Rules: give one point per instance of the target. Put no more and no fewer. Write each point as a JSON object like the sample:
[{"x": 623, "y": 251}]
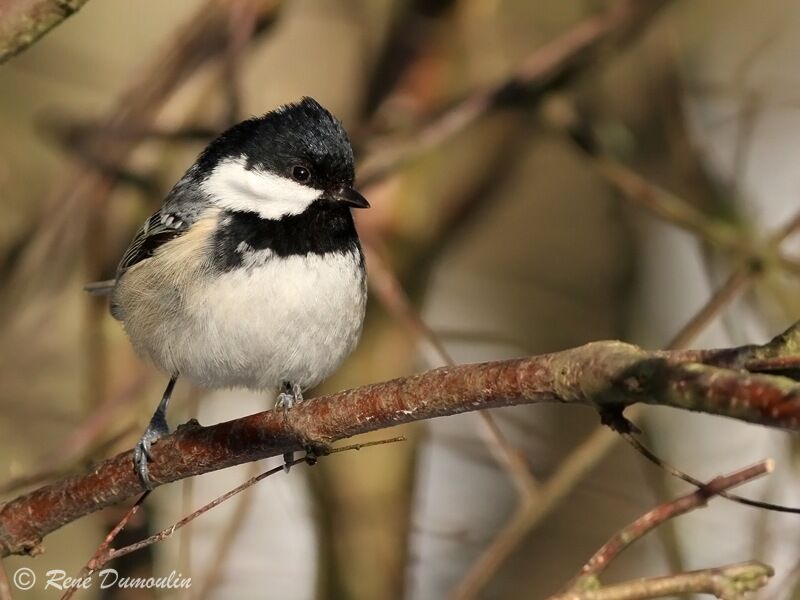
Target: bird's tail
[{"x": 100, "y": 288}]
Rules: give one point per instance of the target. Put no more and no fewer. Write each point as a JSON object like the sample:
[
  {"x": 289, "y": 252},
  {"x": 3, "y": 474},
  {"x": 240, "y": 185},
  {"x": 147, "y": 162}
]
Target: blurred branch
[
  {"x": 22, "y": 22},
  {"x": 61, "y": 221},
  {"x": 241, "y": 26},
  {"x": 532, "y": 509},
  {"x": 547, "y": 68},
  {"x": 602, "y": 559},
  {"x": 83, "y": 441},
  {"x": 562, "y": 114},
  {"x": 727, "y": 583},
  {"x": 606, "y": 375},
  {"x": 385, "y": 285},
  {"x": 736, "y": 283},
  {"x": 5, "y": 587},
  {"x": 225, "y": 544}
]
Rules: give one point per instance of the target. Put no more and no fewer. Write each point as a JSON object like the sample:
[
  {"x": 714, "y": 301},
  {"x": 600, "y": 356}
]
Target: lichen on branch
[{"x": 22, "y": 22}]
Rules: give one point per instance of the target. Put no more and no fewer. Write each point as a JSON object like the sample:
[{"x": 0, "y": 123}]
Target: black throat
[{"x": 324, "y": 227}]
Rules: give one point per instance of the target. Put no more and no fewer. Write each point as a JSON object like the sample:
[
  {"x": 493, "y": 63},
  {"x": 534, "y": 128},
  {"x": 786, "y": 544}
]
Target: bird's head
[{"x": 281, "y": 163}]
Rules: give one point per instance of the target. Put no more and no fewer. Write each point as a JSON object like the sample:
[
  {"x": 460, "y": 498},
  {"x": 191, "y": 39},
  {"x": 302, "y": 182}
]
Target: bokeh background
[{"x": 495, "y": 140}]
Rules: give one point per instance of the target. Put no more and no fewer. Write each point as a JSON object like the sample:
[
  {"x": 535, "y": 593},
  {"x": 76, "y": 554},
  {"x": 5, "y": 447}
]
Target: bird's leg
[
  {"x": 289, "y": 396},
  {"x": 157, "y": 428}
]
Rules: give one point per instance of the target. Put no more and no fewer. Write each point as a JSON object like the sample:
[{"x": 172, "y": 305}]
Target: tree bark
[{"x": 608, "y": 376}]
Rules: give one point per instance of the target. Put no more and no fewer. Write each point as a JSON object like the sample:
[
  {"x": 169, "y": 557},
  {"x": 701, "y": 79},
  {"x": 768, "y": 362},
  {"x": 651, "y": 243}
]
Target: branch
[
  {"x": 601, "y": 559},
  {"x": 547, "y": 68},
  {"x": 5, "y": 586},
  {"x": 606, "y": 375},
  {"x": 727, "y": 583},
  {"x": 24, "y": 21}
]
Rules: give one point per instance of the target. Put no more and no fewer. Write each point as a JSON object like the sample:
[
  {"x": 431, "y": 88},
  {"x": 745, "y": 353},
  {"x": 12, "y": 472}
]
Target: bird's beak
[{"x": 350, "y": 197}]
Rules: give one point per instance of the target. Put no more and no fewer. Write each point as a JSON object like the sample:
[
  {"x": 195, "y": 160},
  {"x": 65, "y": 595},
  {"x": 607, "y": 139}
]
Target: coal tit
[{"x": 251, "y": 274}]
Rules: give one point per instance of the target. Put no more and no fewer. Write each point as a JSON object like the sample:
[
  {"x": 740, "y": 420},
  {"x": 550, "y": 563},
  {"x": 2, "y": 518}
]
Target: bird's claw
[
  {"x": 142, "y": 452},
  {"x": 285, "y": 401},
  {"x": 289, "y": 396}
]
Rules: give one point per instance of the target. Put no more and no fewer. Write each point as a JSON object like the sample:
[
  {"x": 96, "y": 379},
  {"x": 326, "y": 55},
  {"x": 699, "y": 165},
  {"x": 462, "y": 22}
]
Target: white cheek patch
[{"x": 234, "y": 187}]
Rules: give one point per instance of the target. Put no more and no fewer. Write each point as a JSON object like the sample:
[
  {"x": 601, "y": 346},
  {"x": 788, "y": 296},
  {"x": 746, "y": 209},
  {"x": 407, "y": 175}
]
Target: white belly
[{"x": 289, "y": 319}]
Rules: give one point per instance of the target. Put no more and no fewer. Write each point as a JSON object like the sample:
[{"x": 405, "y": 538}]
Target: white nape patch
[{"x": 232, "y": 186}]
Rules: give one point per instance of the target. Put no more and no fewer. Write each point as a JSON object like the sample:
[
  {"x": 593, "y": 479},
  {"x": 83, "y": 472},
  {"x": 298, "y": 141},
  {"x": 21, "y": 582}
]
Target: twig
[
  {"x": 96, "y": 560},
  {"x": 675, "y": 472},
  {"x": 22, "y": 22},
  {"x": 727, "y": 583},
  {"x": 110, "y": 554},
  {"x": 606, "y": 375},
  {"x": 737, "y": 283},
  {"x": 601, "y": 559}
]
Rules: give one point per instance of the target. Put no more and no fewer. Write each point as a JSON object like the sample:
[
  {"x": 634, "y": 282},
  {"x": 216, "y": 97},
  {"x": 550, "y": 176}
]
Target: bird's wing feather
[{"x": 180, "y": 210}]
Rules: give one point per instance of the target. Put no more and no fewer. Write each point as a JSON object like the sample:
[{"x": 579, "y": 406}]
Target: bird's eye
[{"x": 300, "y": 173}]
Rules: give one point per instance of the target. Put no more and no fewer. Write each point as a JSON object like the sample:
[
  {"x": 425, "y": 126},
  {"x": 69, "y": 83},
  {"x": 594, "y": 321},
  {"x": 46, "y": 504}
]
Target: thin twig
[
  {"x": 675, "y": 472},
  {"x": 96, "y": 560},
  {"x": 108, "y": 555},
  {"x": 603, "y": 558}
]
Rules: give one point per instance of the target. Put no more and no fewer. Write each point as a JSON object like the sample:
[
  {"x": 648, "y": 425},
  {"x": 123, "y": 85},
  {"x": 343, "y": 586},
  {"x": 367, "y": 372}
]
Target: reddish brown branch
[{"x": 606, "y": 375}]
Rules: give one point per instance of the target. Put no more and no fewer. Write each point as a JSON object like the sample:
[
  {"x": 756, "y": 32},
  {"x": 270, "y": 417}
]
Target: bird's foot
[
  {"x": 289, "y": 396},
  {"x": 157, "y": 429}
]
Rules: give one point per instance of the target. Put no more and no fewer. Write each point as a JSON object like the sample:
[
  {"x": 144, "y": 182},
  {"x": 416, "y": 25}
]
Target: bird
[{"x": 251, "y": 274}]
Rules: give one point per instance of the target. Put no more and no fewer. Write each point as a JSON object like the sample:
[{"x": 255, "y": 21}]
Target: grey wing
[
  {"x": 160, "y": 228},
  {"x": 181, "y": 209}
]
